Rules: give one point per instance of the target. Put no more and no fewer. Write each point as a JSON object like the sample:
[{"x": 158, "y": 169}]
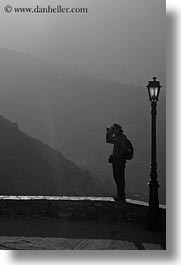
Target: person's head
[{"x": 117, "y": 129}]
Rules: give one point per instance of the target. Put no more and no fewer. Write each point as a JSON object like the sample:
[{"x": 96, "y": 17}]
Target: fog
[
  {"x": 119, "y": 40},
  {"x": 64, "y": 78}
]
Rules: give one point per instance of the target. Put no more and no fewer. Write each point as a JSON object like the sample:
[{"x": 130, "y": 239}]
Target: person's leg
[
  {"x": 118, "y": 173},
  {"x": 115, "y": 174},
  {"x": 121, "y": 180}
]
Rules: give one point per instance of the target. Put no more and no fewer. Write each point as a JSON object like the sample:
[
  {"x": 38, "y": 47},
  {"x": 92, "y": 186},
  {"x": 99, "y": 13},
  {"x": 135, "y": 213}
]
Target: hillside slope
[{"x": 29, "y": 167}]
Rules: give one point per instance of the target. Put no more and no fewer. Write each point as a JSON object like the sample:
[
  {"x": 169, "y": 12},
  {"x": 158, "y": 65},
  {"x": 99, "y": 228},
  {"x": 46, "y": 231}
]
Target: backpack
[{"x": 129, "y": 150}]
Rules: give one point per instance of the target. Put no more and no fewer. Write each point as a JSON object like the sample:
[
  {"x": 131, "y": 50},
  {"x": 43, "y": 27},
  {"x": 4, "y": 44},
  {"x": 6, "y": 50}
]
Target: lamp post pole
[
  {"x": 154, "y": 211},
  {"x": 153, "y": 184}
]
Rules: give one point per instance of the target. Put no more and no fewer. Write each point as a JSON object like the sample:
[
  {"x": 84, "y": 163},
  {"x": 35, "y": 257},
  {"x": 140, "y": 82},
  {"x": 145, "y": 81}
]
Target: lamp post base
[
  {"x": 154, "y": 211},
  {"x": 154, "y": 222}
]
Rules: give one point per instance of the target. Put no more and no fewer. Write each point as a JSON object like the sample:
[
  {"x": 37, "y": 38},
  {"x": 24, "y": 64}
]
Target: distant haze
[
  {"x": 119, "y": 40},
  {"x": 65, "y": 78},
  {"x": 69, "y": 109}
]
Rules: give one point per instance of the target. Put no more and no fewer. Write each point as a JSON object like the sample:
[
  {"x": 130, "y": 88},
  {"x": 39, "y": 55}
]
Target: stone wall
[{"x": 75, "y": 209}]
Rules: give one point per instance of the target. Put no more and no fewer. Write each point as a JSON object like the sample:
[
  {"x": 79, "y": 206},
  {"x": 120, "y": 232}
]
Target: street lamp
[{"x": 153, "y": 215}]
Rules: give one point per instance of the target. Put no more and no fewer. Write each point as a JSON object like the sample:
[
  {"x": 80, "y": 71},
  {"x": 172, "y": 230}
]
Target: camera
[
  {"x": 109, "y": 134},
  {"x": 109, "y": 130}
]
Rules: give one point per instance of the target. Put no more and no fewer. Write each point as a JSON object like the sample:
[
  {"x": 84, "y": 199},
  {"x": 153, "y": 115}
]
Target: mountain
[
  {"x": 69, "y": 109},
  {"x": 30, "y": 167}
]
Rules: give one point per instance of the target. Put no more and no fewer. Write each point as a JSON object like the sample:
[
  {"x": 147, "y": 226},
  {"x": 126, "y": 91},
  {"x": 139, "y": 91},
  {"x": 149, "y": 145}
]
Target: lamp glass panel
[{"x": 153, "y": 92}]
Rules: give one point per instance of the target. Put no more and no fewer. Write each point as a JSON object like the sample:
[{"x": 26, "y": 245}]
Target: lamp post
[{"x": 153, "y": 214}]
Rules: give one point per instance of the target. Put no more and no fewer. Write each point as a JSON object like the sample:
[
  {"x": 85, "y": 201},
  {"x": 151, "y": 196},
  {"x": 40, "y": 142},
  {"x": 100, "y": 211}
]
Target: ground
[{"x": 46, "y": 233}]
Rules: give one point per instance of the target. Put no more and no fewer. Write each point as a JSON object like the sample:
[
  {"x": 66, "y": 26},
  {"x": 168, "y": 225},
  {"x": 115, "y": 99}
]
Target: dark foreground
[
  {"x": 45, "y": 233},
  {"x": 32, "y": 222}
]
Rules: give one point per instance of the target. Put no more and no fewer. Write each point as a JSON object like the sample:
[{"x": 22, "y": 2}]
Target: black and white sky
[{"x": 120, "y": 39}]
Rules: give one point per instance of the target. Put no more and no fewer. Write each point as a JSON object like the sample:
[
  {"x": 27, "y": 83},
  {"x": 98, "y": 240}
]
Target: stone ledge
[
  {"x": 73, "y": 208},
  {"x": 71, "y": 198}
]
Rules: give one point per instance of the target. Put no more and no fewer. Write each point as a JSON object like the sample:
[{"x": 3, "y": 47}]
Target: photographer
[{"x": 115, "y": 136}]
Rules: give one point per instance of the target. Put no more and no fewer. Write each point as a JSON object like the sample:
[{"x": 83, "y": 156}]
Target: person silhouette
[{"x": 115, "y": 136}]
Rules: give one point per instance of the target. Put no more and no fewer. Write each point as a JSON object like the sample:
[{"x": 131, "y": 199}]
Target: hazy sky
[{"x": 119, "y": 39}]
